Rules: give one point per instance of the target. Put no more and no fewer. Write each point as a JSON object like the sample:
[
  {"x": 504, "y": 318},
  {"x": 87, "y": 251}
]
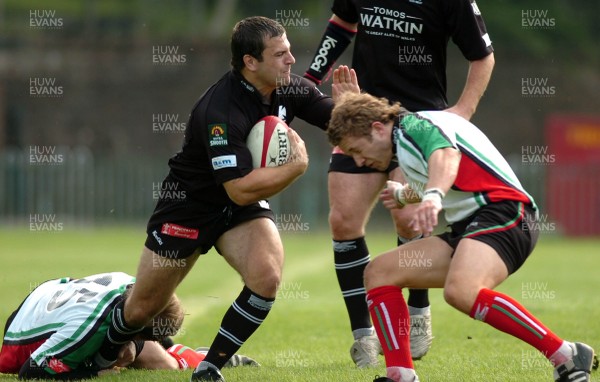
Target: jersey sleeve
[
  {"x": 314, "y": 108},
  {"x": 345, "y": 10},
  {"x": 225, "y": 130},
  {"x": 467, "y": 28},
  {"x": 427, "y": 136}
]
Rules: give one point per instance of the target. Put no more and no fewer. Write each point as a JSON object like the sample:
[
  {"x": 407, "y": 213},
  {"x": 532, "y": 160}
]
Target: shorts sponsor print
[{"x": 177, "y": 232}]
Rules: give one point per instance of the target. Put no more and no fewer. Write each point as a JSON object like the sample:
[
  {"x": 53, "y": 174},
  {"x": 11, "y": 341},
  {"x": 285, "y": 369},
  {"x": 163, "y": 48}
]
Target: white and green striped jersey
[
  {"x": 72, "y": 315},
  {"x": 483, "y": 177}
]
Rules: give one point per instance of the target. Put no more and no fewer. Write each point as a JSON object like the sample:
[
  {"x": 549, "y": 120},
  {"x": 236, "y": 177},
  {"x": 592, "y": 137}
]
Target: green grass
[{"x": 307, "y": 335}]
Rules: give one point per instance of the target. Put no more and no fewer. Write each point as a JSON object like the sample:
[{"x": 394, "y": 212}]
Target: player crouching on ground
[
  {"x": 61, "y": 324},
  {"x": 450, "y": 164}
]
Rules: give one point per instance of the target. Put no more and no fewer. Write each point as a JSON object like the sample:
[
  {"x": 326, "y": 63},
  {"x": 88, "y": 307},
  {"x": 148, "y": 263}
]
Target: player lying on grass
[
  {"x": 450, "y": 164},
  {"x": 61, "y": 324}
]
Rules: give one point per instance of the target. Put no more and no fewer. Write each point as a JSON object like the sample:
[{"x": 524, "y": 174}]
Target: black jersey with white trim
[
  {"x": 400, "y": 47},
  {"x": 214, "y": 149}
]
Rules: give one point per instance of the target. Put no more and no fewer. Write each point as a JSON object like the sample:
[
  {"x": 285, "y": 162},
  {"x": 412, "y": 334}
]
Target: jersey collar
[
  {"x": 396, "y": 132},
  {"x": 244, "y": 84},
  {"x": 249, "y": 88}
]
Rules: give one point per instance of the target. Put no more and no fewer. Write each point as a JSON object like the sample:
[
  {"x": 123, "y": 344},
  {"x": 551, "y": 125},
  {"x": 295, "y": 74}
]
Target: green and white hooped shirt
[
  {"x": 483, "y": 177},
  {"x": 72, "y": 315}
]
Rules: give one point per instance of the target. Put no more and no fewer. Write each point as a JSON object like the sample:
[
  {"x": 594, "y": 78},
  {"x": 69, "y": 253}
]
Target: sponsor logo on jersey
[
  {"x": 179, "y": 231},
  {"x": 217, "y": 134},
  {"x": 224, "y": 161},
  {"x": 379, "y": 21}
]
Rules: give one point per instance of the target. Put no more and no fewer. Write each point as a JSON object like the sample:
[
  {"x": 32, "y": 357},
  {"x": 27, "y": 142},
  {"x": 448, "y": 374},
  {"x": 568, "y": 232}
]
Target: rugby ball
[{"x": 269, "y": 143}]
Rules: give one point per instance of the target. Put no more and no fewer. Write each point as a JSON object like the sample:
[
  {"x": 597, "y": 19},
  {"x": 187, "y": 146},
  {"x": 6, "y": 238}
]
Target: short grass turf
[{"x": 307, "y": 336}]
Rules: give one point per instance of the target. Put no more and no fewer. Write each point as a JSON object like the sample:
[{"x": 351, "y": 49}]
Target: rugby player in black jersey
[
  {"x": 225, "y": 198},
  {"x": 399, "y": 53}
]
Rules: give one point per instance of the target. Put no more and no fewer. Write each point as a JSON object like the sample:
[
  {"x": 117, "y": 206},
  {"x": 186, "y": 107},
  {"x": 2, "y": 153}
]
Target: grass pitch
[{"x": 307, "y": 336}]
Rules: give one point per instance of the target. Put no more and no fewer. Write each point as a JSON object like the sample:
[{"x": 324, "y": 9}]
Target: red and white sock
[
  {"x": 390, "y": 317},
  {"x": 186, "y": 357},
  {"x": 507, "y": 315}
]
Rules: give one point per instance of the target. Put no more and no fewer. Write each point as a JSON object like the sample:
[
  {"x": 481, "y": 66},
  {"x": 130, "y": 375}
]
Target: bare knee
[
  {"x": 459, "y": 296},
  {"x": 377, "y": 273},
  {"x": 265, "y": 282},
  {"x": 345, "y": 226},
  {"x": 370, "y": 276}
]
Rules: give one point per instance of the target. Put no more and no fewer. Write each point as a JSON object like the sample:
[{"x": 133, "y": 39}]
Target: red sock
[
  {"x": 186, "y": 357},
  {"x": 507, "y": 315},
  {"x": 392, "y": 324}
]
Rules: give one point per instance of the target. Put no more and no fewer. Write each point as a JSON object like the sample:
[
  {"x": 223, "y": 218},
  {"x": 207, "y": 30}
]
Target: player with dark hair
[
  {"x": 60, "y": 325},
  {"x": 399, "y": 53},
  {"x": 451, "y": 165},
  {"x": 225, "y": 205}
]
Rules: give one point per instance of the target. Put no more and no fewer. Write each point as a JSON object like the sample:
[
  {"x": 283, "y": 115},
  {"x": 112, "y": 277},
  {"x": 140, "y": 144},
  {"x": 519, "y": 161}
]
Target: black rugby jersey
[
  {"x": 400, "y": 47},
  {"x": 214, "y": 149}
]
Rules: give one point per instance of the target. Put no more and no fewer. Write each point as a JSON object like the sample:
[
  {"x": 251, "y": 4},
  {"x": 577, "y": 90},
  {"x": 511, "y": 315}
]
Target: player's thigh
[
  {"x": 475, "y": 265},
  {"x": 156, "y": 280},
  {"x": 418, "y": 264},
  {"x": 254, "y": 249},
  {"x": 352, "y": 196}
]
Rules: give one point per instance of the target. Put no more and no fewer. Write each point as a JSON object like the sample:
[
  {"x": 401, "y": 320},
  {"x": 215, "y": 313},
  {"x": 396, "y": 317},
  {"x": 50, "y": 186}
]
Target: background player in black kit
[
  {"x": 225, "y": 204},
  {"x": 400, "y": 54}
]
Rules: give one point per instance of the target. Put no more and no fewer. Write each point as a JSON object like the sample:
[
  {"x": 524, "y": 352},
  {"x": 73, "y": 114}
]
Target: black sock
[
  {"x": 241, "y": 320},
  {"x": 118, "y": 334},
  {"x": 351, "y": 257},
  {"x": 417, "y": 298}
]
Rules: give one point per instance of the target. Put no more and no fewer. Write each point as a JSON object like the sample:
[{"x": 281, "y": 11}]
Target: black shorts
[
  {"x": 179, "y": 229},
  {"x": 509, "y": 227},
  {"x": 343, "y": 163}
]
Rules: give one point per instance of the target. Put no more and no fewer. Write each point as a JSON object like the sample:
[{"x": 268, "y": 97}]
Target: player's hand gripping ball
[{"x": 269, "y": 143}]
